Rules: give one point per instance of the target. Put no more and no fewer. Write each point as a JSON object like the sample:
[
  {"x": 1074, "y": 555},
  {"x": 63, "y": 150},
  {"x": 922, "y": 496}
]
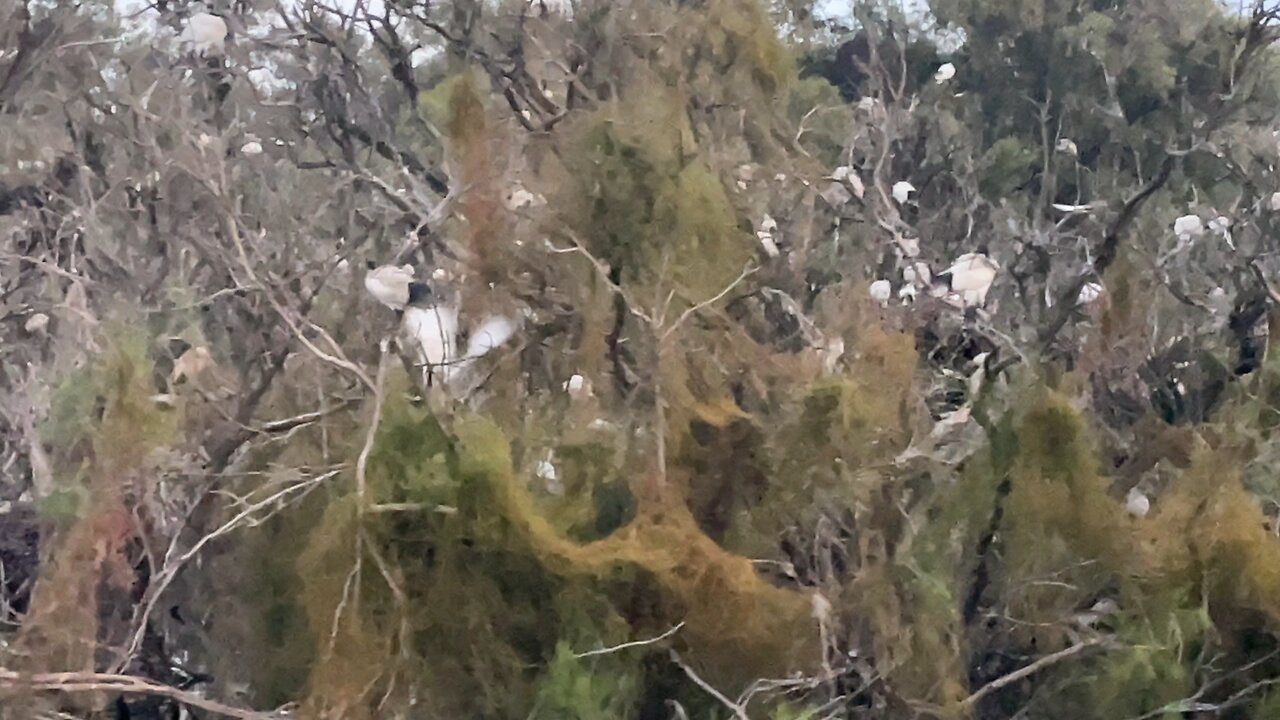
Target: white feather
[
  {"x": 389, "y": 285},
  {"x": 902, "y": 191},
  {"x": 433, "y": 332},
  {"x": 492, "y": 333},
  {"x": 205, "y": 32},
  {"x": 1137, "y": 503},
  {"x": 971, "y": 276},
  {"x": 881, "y": 291},
  {"x": 1088, "y": 293},
  {"x": 1187, "y": 227}
]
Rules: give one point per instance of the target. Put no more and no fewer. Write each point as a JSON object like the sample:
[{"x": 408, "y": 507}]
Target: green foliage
[
  {"x": 642, "y": 201},
  {"x": 816, "y": 105},
  {"x": 792, "y": 511},
  {"x": 63, "y": 505},
  {"x": 409, "y": 462},
  {"x": 1008, "y": 164},
  {"x": 436, "y": 103},
  {"x": 71, "y": 411},
  {"x": 741, "y": 39},
  {"x": 582, "y": 689}
]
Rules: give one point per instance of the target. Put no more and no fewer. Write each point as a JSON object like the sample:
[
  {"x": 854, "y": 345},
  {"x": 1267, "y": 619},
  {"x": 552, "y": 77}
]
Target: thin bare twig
[
  {"x": 362, "y": 462},
  {"x": 171, "y": 567},
  {"x": 706, "y": 303},
  {"x": 633, "y": 643},
  {"x": 738, "y": 711},
  {"x": 1021, "y": 673},
  {"x": 83, "y": 682}
]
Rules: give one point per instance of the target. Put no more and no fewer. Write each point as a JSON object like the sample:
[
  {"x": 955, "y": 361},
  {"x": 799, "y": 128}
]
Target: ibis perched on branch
[
  {"x": 206, "y": 33},
  {"x": 392, "y": 285},
  {"x": 970, "y": 277},
  {"x": 429, "y": 324}
]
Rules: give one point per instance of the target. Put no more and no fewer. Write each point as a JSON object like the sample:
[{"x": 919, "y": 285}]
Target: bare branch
[
  {"x": 632, "y": 644},
  {"x": 738, "y": 711},
  {"x": 88, "y": 682}
]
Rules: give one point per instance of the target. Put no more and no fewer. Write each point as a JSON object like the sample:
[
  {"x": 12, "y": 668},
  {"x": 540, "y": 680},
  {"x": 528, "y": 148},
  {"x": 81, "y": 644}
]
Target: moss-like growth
[
  {"x": 109, "y": 425},
  {"x": 494, "y": 588},
  {"x": 1059, "y": 516},
  {"x": 642, "y": 202}
]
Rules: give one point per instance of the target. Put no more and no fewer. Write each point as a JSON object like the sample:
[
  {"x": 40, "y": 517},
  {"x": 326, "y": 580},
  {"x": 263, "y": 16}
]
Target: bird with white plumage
[
  {"x": 902, "y": 191},
  {"x": 1089, "y": 293},
  {"x": 206, "y": 33},
  {"x": 1137, "y": 504},
  {"x": 389, "y": 284},
  {"x": 970, "y": 278},
  {"x": 431, "y": 330},
  {"x": 881, "y": 291},
  {"x": 1188, "y": 227}
]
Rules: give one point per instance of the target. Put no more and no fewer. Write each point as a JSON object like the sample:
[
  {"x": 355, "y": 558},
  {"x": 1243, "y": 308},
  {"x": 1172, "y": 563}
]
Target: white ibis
[
  {"x": 1274, "y": 203},
  {"x": 494, "y": 332},
  {"x": 1089, "y": 293},
  {"x": 881, "y": 291},
  {"x": 945, "y": 72},
  {"x": 1137, "y": 504},
  {"x": 519, "y": 198},
  {"x": 916, "y": 272},
  {"x": 1221, "y": 226},
  {"x": 768, "y": 226},
  {"x": 37, "y": 324},
  {"x": 577, "y": 386},
  {"x": 1187, "y": 227},
  {"x": 902, "y": 191},
  {"x": 971, "y": 276},
  {"x": 206, "y": 33},
  {"x": 1068, "y": 146},
  {"x": 390, "y": 284},
  {"x": 430, "y": 328}
]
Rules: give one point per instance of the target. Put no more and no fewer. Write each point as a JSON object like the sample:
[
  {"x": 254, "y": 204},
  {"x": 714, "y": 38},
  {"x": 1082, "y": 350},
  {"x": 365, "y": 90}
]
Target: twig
[
  {"x": 362, "y": 462},
  {"x": 233, "y": 231},
  {"x": 411, "y": 507},
  {"x": 1108, "y": 249},
  {"x": 77, "y": 682},
  {"x": 1021, "y": 673},
  {"x": 634, "y": 643},
  {"x": 170, "y": 569},
  {"x": 705, "y": 303},
  {"x": 603, "y": 271},
  {"x": 285, "y": 424},
  {"x": 738, "y": 711}
]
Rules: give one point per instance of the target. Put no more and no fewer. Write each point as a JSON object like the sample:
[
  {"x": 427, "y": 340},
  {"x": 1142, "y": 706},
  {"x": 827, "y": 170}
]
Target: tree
[{"x": 710, "y": 475}]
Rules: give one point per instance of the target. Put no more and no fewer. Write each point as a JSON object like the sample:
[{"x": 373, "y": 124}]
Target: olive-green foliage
[
  {"x": 492, "y": 591},
  {"x": 435, "y": 102},
  {"x": 586, "y": 688},
  {"x": 741, "y": 39},
  {"x": 101, "y": 417},
  {"x": 642, "y": 201},
  {"x": 1007, "y": 165},
  {"x": 827, "y": 127},
  {"x": 85, "y": 556},
  {"x": 284, "y": 646}
]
